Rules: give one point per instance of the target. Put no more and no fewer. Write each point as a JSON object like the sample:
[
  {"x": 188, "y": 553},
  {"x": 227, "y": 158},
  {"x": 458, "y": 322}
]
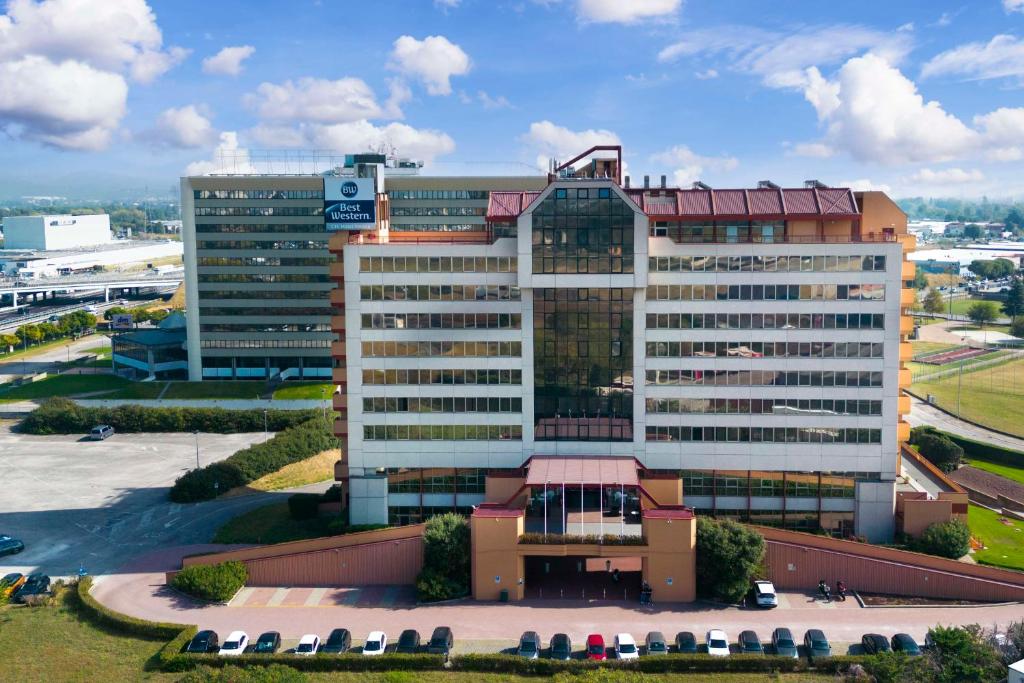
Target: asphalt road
[
  {"x": 99, "y": 504},
  {"x": 922, "y": 413},
  {"x": 50, "y": 359}
]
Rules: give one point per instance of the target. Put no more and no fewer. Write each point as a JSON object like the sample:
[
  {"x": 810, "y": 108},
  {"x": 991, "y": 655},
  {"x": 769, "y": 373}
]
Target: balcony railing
[{"x": 581, "y": 539}]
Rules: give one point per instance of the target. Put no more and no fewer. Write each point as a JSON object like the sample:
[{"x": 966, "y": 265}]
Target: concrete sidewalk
[{"x": 923, "y": 414}]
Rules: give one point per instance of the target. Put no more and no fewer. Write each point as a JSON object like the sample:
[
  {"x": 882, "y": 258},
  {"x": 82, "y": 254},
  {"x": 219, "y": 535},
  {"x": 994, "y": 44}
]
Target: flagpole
[
  {"x": 600, "y": 495},
  {"x": 562, "y": 525},
  {"x": 622, "y": 509},
  {"x": 545, "y": 509},
  {"x": 581, "y": 506}
]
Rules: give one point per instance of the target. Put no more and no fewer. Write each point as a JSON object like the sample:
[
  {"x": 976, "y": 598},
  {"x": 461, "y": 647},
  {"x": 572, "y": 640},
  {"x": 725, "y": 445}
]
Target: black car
[
  {"x": 750, "y": 644},
  {"x": 204, "y": 641},
  {"x": 339, "y": 641},
  {"x": 529, "y": 645},
  {"x": 873, "y": 643},
  {"x": 268, "y": 643},
  {"x": 408, "y": 642},
  {"x": 656, "y": 644},
  {"x": 686, "y": 643},
  {"x": 783, "y": 643},
  {"x": 10, "y": 546},
  {"x": 816, "y": 644},
  {"x": 561, "y": 646},
  {"x": 902, "y": 642},
  {"x": 441, "y": 641},
  {"x": 35, "y": 584}
]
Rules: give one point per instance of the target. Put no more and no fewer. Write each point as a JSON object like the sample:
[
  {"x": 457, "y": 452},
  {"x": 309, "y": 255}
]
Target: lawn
[
  {"x": 270, "y": 524},
  {"x": 138, "y": 391},
  {"x": 63, "y": 385},
  {"x": 305, "y": 391},
  {"x": 921, "y": 348},
  {"x": 215, "y": 389},
  {"x": 310, "y": 471},
  {"x": 963, "y": 304},
  {"x": 1008, "y": 471},
  {"x": 1004, "y": 542},
  {"x": 992, "y": 396}
]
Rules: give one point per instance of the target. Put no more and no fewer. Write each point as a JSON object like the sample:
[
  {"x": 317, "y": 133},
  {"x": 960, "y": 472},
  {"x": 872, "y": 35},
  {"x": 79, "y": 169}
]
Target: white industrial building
[
  {"x": 49, "y": 233},
  {"x": 116, "y": 255}
]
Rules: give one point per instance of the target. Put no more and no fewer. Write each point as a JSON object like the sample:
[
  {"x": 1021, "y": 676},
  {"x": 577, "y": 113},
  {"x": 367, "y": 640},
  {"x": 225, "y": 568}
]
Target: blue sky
[{"x": 106, "y": 97}]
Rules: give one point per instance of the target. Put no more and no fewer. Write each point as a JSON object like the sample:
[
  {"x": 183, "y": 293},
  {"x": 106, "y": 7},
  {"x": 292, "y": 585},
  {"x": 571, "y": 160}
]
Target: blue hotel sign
[{"x": 350, "y": 203}]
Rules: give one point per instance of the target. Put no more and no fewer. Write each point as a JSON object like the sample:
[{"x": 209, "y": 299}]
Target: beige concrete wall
[
  {"x": 918, "y": 515},
  {"x": 496, "y": 565},
  {"x": 841, "y": 229},
  {"x": 670, "y": 561},
  {"x": 667, "y": 491},
  {"x": 801, "y": 228},
  {"x": 500, "y": 489},
  {"x": 880, "y": 212}
]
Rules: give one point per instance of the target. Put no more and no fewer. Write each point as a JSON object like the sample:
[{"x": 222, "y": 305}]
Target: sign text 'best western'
[{"x": 350, "y": 203}]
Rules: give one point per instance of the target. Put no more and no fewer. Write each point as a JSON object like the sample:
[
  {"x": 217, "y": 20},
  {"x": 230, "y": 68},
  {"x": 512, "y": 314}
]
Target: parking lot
[{"x": 99, "y": 503}]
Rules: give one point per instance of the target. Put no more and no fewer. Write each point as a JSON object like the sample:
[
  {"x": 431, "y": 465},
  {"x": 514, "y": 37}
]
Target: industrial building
[{"x": 52, "y": 233}]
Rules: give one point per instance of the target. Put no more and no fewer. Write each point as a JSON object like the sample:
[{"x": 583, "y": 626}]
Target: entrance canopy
[{"x": 587, "y": 471}]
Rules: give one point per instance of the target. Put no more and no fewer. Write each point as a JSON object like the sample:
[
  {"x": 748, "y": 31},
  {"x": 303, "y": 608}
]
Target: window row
[
  {"x": 249, "y": 310},
  {"x": 246, "y": 228},
  {"x": 436, "y": 480},
  {"x": 766, "y": 264},
  {"x": 438, "y": 194},
  {"x": 722, "y": 232},
  {"x": 265, "y": 343},
  {"x": 764, "y": 378},
  {"x": 482, "y": 349},
  {"x": 438, "y": 210},
  {"x": 259, "y": 211},
  {"x": 451, "y": 377},
  {"x": 447, "y": 404},
  {"x": 766, "y": 293},
  {"x": 441, "y": 321},
  {"x": 765, "y": 321},
  {"x": 443, "y": 432},
  {"x": 258, "y": 194},
  {"x": 319, "y": 294},
  {"x": 401, "y": 515},
  {"x": 765, "y": 434},
  {"x": 264, "y": 261},
  {"x": 582, "y": 264},
  {"x": 437, "y": 264},
  {"x": 437, "y": 227},
  {"x": 265, "y": 327},
  {"x": 438, "y": 293},
  {"x": 763, "y": 406},
  {"x": 261, "y": 244},
  {"x": 771, "y": 484},
  {"x": 731, "y": 349},
  {"x": 264, "y": 277}
]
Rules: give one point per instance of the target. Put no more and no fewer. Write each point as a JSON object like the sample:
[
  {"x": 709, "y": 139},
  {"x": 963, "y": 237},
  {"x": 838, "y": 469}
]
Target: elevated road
[{"x": 104, "y": 282}]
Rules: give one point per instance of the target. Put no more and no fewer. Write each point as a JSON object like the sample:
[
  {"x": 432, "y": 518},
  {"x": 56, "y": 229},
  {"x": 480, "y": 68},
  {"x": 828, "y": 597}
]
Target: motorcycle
[
  {"x": 840, "y": 591},
  {"x": 826, "y": 593}
]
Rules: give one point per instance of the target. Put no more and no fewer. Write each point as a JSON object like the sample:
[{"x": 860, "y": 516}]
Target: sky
[{"x": 117, "y": 98}]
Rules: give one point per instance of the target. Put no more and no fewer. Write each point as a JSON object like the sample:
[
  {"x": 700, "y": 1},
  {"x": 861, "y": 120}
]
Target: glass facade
[
  {"x": 581, "y": 230},
  {"x": 583, "y": 364}
]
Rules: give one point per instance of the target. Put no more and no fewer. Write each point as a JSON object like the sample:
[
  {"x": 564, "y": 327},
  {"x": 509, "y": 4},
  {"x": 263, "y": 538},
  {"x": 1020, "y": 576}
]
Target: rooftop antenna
[
  {"x": 698, "y": 185},
  {"x": 815, "y": 185},
  {"x": 767, "y": 185}
]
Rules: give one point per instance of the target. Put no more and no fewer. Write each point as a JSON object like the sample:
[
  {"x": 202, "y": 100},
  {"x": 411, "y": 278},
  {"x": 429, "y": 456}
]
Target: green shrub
[
  {"x": 672, "y": 663},
  {"x": 950, "y": 539},
  {"x": 207, "y": 483},
  {"x": 320, "y": 663},
  {"x": 940, "y": 451},
  {"x": 332, "y": 494},
  {"x": 122, "y": 623},
  {"x": 275, "y": 673},
  {"x": 64, "y": 416},
  {"x": 215, "y": 582},
  {"x": 446, "y": 557},
  {"x": 303, "y": 505},
  {"x": 728, "y": 556},
  {"x": 964, "y": 654}
]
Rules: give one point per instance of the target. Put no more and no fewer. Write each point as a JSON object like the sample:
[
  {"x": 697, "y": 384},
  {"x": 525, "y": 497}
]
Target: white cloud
[
  {"x": 690, "y": 166},
  {"x": 550, "y": 140},
  {"x": 152, "y": 64},
  {"x": 433, "y": 60},
  {"x": 228, "y": 157},
  {"x": 947, "y": 176},
  {"x": 707, "y": 74},
  {"x": 998, "y": 58},
  {"x": 621, "y": 12},
  {"x": 316, "y": 99},
  {"x": 865, "y": 184},
  {"x": 499, "y": 102},
  {"x": 1013, "y": 5},
  {"x": 228, "y": 62},
  {"x": 814, "y": 150},
  {"x": 447, "y": 4},
  {"x": 909, "y": 26},
  {"x": 417, "y": 143},
  {"x": 184, "y": 127}
]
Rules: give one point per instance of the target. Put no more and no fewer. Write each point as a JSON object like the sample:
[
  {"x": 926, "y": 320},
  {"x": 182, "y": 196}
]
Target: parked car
[
  {"x": 783, "y": 644},
  {"x": 35, "y": 584},
  {"x": 268, "y": 643},
  {"x": 717, "y": 643},
  {"x": 441, "y": 641},
  {"x": 816, "y": 644},
  {"x": 234, "y": 644},
  {"x": 338, "y": 641},
  {"x": 902, "y": 642},
  {"x": 595, "y": 647},
  {"x": 655, "y": 643},
  {"x": 408, "y": 642},
  {"x": 11, "y": 583},
  {"x": 750, "y": 644},
  {"x": 686, "y": 643},
  {"x": 376, "y": 643},
  {"x": 529, "y": 645},
  {"x": 308, "y": 645},
  {"x": 874, "y": 643},
  {"x": 764, "y": 595},
  {"x": 204, "y": 641},
  {"x": 625, "y": 647},
  {"x": 10, "y": 545},
  {"x": 561, "y": 646},
  {"x": 101, "y": 432}
]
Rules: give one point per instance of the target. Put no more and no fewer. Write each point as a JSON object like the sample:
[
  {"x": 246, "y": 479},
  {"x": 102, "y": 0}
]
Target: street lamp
[
  {"x": 196, "y": 434},
  {"x": 265, "y": 433}
]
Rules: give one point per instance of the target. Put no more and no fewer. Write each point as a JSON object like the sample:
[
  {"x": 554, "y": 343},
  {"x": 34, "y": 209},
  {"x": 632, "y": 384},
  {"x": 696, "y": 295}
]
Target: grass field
[
  {"x": 270, "y": 524},
  {"x": 1008, "y": 471},
  {"x": 992, "y": 396},
  {"x": 305, "y": 391},
  {"x": 1004, "y": 543},
  {"x": 310, "y": 471},
  {"x": 63, "y": 385},
  {"x": 215, "y": 389}
]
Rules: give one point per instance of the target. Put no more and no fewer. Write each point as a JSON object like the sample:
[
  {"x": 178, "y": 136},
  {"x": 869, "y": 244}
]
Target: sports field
[{"x": 992, "y": 396}]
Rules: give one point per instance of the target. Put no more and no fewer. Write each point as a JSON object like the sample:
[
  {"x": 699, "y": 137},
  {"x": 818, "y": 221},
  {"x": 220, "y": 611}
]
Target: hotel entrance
[{"x": 583, "y": 578}]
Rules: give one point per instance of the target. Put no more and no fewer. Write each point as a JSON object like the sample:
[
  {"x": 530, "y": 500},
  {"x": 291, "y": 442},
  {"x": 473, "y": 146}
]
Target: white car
[
  {"x": 234, "y": 644},
  {"x": 308, "y": 645},
  {"x": 718, "y": 643},
  {"x": 764, "y": 594},
  {"x": 625, "y": 647},
  {"x": 375, "y": 644}
]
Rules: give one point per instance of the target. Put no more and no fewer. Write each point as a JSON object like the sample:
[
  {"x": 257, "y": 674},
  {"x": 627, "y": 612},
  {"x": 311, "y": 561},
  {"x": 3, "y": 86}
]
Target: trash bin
[{"x": 503, "y": 596}]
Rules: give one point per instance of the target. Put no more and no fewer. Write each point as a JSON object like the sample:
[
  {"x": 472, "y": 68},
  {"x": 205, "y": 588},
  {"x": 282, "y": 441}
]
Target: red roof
[
  {"x": 506, "y": 206},
  {"x": 587, "y": 470},
  {"x": 669, "y": 512}
]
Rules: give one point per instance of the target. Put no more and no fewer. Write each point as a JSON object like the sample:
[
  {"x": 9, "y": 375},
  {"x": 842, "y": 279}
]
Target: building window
[
  {"x": 582, "y": 234},
  {"x": 818, "y": 435}
]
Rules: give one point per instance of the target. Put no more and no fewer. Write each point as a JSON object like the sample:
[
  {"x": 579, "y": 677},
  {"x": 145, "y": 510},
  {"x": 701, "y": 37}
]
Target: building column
[
  {"x": 368, "y": 499},
  {"x": 875, "y": 510}
]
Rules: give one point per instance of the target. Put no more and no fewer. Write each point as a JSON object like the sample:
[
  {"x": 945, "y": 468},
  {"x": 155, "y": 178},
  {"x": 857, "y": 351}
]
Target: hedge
[
  {"x": 215, "y": 582},
  {"x": 672, "y": 663},
  {"x": 122, "y": 623},
  {"x": 536, "y": 538},
  {"x": 985, "y": 451},
  {"x": 304, "y": 505},
  {"x": 295, "y": 443},
  {"x": 64, "y": 416},
  {"x": 317, "y": 663}
]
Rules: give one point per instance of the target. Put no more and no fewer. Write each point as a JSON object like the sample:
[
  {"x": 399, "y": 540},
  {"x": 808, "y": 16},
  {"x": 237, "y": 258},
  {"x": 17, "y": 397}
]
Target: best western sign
[{"x": 350, "y": 203}]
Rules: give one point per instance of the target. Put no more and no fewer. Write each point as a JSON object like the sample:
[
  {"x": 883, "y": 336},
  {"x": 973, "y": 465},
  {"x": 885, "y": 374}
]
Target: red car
[{"x": 595, "y": 647}]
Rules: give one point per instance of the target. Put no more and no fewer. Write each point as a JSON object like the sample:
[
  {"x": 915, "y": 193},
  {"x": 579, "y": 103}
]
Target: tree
[
  {"x": 933, "y": 302},
  {"x": 728, "y": 556},
  {"x": 49, "y": 331},
  {"x": 29, "y": 334},
  {"x": 920, "y": 279},
  {"x": 972, "y": 231},
  {"x": 982, "y": 313},
  {"x": 112, "y": 311},
  {"x": 446, "y": 556},
  {"x": 1017, "y": 327},
  {"x": 1014, "y": 304},
  {"x": 963, "y": 654},
  {"x": 1014, "y": 219},
  {"x": 1002, "y": 267},
  {"x": 939, "y": 449},
  {"x": 9, "y": 341},
  {"x": 950, "y": 539}
]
